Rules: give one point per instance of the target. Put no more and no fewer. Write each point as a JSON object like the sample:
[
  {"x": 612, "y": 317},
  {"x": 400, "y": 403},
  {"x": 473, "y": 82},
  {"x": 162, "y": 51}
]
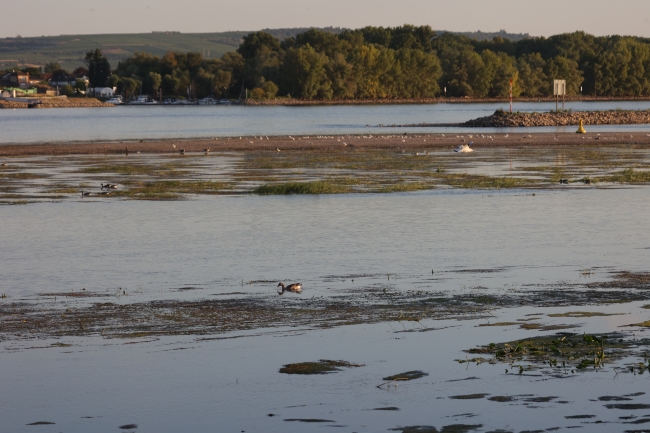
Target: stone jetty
[{"x": 501, "y": 119}]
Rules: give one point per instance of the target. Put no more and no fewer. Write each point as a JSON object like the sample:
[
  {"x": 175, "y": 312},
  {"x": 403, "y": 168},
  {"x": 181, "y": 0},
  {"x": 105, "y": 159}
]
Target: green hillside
[{"x": 69, "y": 50}]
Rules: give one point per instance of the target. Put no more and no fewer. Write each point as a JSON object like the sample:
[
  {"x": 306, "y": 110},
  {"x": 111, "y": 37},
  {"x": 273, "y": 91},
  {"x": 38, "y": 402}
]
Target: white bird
[{"x": 464, "y": 148}]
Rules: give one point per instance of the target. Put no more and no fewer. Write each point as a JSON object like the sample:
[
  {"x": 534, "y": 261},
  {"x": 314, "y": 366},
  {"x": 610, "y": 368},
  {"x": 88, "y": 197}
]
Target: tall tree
[{"x": 98, "y": 68}]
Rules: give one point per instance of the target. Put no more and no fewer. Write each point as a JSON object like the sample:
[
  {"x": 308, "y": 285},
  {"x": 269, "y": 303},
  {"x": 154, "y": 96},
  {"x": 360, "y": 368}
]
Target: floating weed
[
  {"x": 469, "y": 396},
  {"x": 542, "y": 327},
  {"x": 134, "y": 169},
  {"x": 562, "y": 350},
  {"x": 405, "y": 187},
  {"x": 170, "y": 189},
  {"x": 315, "y": 187},
  {"x": 323, "y": 366},
  {"x": 628, "y": 176},
  {"x": 23, "y": 176},
  {"x": 500, "y": 324},
  {"x": 581, "y": 314},
  {"x": 409, "y": 375}
]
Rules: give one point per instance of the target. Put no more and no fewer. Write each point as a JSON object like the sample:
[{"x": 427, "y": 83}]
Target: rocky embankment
[
  {"x": 567, "y": 118},
  {"x": 57, "y": 103}
]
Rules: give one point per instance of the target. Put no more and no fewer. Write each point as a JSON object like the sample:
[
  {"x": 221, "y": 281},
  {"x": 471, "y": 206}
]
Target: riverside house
[{"x": 15, "y": 79}]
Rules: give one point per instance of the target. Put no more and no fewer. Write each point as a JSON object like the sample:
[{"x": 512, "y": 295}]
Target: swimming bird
[
  {"x": 85, "y": 194},
  {"x": 182, "y": 151},
  {"x": 293, "y": 288},
  {"x": 464, "y": 148}
]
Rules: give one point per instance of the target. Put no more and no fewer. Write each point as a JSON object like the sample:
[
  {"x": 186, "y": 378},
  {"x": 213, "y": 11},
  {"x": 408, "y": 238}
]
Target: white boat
[
  {"x": 175, "y": 101},
  {"x": 117, "y": 100},
  {"x": 207, "y": 101},
  {"x": 144, "y": 100},
  {"x": 225, "y": 102}
]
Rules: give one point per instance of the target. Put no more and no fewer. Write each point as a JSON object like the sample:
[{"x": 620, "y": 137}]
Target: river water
[
  {"x": 178, "y": 122},
  {"x": 219, "y": 243}
]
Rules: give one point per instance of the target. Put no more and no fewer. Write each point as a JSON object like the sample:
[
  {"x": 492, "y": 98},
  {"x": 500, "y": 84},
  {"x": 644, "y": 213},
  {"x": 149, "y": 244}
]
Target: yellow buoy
[{"x": 581, "y": 130}]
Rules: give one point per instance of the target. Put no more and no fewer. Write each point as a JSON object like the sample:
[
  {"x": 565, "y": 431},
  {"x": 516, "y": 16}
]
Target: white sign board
[{"x": 559, "y": 87}]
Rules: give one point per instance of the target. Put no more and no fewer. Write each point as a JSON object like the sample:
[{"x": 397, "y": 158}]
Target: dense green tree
[
  {"x": 561, "y": 68},
  {"x": 98, "y": 68},
  {"x": 532, "y": 79},
  {"x": 390, "y": 62},
  {"x": 51, "y": 67}
]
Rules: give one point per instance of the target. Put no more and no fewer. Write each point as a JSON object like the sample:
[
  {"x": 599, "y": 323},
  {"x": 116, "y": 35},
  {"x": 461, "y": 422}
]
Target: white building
[{"x": 101, "y": 92}]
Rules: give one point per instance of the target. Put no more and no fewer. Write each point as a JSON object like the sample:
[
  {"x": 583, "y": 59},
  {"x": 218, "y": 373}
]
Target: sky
[{"x": 539, "y": 18}]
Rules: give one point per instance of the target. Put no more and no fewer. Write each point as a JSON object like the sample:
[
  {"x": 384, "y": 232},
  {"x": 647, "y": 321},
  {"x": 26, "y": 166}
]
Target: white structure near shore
[{"x": 101, "y": 92}]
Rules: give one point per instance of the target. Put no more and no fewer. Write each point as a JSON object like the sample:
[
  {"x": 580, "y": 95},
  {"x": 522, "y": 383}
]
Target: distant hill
[{"x": 69, "y": 50}]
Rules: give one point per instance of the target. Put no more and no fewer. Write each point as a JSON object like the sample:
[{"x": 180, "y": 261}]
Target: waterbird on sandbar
[
  {"x": 108, "y": 185},
  {"x": 293, "y": 288},
  {"x": 464, "y": 148}
]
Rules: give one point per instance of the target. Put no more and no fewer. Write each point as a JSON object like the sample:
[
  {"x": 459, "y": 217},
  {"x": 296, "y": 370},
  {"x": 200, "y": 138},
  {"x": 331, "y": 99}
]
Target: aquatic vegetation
[
  {"x": 408, "y": 375},
  {"x": 315, "y": 187},
  {"x": 21, "y": 176},
  {"x": 170, "y": 189},
  {"x": 562, "y": 351},
  {"x": 130, "y": 169},
  {"x": 580, "y": 314},
  {"x": 468, "y": 396},
  {"x": 628, "y": 175},
  {"x": 405, "y": 187},
  {"x": 500, "y": 324},
  {"x": 323, "y": 366}
]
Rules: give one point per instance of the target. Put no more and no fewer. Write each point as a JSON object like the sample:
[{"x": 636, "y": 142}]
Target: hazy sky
[{"x": 540, "y": 17}]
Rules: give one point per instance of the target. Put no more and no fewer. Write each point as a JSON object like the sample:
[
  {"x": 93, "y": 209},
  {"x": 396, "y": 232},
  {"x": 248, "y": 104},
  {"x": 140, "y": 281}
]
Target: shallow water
[
  {"x": 138, "y": 122},
  {"x": 49, "y": 247},
  {"x": 218, "y": 244}
]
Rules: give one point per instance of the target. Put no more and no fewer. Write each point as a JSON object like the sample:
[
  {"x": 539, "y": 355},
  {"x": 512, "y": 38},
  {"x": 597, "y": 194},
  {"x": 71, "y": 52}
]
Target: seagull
[
  {"x": 294, "y": 288},
  {"x": 464, "y": 148}
]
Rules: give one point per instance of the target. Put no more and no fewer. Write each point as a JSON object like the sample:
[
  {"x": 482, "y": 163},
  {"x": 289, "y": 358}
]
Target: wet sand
[{"x": 398, "y": 140}]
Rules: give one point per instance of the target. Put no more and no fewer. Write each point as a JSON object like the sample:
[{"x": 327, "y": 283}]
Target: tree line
[{"x": 390, "y": 62}]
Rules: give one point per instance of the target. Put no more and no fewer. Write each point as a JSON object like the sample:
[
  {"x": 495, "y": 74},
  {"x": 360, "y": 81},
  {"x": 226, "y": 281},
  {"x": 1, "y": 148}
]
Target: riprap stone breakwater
[{"x": 566, "y": 118}]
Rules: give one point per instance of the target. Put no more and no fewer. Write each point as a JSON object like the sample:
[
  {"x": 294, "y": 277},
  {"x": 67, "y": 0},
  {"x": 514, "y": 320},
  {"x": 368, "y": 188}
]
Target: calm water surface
[
  {"x": 188, "y": 384},
  {"x": 129, "y": 123}
]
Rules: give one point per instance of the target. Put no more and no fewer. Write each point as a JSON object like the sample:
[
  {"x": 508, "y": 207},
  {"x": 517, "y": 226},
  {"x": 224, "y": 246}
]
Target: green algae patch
[
  {"x": 541, "y": 327},
  {"x": 408, "y": 375},
  {"x": 500, "y": 324},
  {"x": 502, "y": 398},
  {"x": 563, "y": 351},
  {"x": 315, "y": 187},
  {"x": 644, "y": 324},
  {"x": 581, "y": 314},
  {"x": 323, "y": 366},
  {"x": 469, "y": 396},
  {"x": 628, "y": 176},
  {"x": 406, "y": 187}
]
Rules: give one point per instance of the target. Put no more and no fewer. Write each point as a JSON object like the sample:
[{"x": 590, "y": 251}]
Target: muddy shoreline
[
  {"x": 401, "y": 140},
  {"x": 105, "y": 314}
]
